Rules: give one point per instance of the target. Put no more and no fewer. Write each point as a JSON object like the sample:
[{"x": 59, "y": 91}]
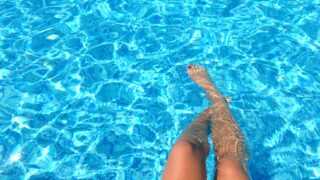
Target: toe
[
  {"x": 194, "y": 68},
  {"x": 197, "y": 68},
  {"x": 190, "y": 69}
]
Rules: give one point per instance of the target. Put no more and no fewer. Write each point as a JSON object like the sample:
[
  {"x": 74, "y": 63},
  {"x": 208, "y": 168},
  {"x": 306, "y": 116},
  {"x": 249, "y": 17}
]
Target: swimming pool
[{"x": 98, "y": 89}]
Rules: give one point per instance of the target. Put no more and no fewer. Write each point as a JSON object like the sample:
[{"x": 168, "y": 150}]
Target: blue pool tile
[
  {"x": 108, "y": 175},
  {"x": 109, "y": 92},
  {"x": 92, "y": 161},
  {"x": 102, "y": 52},
  {"x": 13, "y": 171},
  {"x": 11, "y": 139},
  {"x": 123, "y": 50},
  {"x": 47, "y": 136},
  {"x": 45, "y": 175},
  {"x": 75, "y": 44},
  {"x": 65, "y": 169},
  {"x": 42, "y": 41},
  {"x": 61, "y": 151},
  {"x": 311, "y": 28},
  {"x": 65, "y": 121},
  {"x": 144, "y": 133}
]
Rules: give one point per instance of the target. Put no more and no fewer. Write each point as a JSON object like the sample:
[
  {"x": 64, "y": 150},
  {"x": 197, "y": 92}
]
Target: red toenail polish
[{"x": 189, "y": 67}]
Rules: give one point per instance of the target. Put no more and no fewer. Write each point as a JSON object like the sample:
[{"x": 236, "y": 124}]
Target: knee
[
  {"x": 184, "y": 148},
  {"x": 229, "y": 169}
]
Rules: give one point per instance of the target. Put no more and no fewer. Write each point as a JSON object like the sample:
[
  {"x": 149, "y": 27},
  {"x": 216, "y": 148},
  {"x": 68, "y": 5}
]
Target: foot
[{"x": 200, "y": 76}]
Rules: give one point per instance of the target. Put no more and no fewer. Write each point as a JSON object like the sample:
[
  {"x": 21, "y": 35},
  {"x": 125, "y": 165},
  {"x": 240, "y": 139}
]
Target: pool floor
[{"x": 99, "y": 89}]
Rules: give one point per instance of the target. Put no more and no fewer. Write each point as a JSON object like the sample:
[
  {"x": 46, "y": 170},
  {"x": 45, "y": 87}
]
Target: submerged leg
[
  {"x": 187, "y": 157},
  {"x": 229, "y": 142}
]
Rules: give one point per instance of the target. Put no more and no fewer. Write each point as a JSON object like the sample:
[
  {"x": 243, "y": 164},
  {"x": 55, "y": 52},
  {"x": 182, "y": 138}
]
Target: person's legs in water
[
  {"x": 188, "y": 155},
  {"x": 228, "y": 140}
]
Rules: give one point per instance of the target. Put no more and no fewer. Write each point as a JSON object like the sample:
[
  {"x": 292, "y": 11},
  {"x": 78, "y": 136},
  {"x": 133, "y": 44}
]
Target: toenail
[{"x": 189, "y": 67}]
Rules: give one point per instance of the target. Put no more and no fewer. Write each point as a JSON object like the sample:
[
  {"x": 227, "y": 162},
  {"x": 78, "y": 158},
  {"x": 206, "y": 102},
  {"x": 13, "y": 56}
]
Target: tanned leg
[
  {"x": 188, "y": 156},
  {"x": 229, "y": 142}
]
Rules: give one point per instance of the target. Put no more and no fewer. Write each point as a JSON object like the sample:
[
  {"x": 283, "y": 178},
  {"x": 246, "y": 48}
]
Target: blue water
[{"x": 98, "y": 89}]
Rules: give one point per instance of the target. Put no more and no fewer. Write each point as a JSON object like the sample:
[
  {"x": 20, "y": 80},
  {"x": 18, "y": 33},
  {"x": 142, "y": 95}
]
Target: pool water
[{"x": 98, "y": 89}]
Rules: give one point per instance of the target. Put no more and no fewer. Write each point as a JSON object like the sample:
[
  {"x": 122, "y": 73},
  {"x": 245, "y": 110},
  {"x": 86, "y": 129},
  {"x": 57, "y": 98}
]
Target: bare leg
[
  {"x": 228, "y": 140},
  {"x": 188, "y": 155}
]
